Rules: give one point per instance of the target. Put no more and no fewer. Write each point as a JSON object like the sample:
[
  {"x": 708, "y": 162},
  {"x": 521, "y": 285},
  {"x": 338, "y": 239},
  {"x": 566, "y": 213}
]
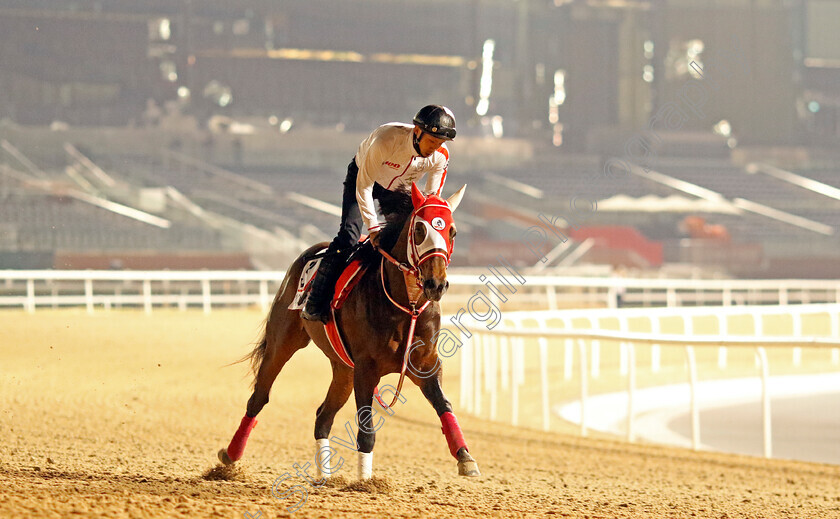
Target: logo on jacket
[{"x": 392, "y": 164}]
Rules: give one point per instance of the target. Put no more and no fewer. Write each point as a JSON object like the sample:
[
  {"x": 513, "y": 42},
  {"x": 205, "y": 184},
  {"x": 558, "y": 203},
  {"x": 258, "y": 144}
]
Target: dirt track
[{"x": 119, "y": 414}]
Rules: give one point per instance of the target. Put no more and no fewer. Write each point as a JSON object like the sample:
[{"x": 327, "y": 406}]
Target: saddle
[{"x": 349, "y": 278}]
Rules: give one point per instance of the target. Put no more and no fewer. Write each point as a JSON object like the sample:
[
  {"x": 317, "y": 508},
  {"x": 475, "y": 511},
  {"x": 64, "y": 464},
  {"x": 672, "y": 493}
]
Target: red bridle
[{"x": 436, "y": 215}]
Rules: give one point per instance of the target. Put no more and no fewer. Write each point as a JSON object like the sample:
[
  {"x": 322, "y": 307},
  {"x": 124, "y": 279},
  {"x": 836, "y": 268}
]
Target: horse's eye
[
  {"x": 419, "y": 233},
  {"x": 452, "y": 233}
]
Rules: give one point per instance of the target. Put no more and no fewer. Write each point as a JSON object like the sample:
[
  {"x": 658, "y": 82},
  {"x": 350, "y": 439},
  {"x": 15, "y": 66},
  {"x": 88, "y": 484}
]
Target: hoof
[
  {"x": 466, "y": 464},
  {"x": 468, "y": 468},
  {"x": 224, "y": 458}
]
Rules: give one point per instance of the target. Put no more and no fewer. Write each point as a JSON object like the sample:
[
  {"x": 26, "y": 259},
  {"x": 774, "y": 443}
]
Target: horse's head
[{"x": 431, "y": 239}]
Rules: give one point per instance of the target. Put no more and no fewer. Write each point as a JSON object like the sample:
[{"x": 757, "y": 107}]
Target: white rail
[
  {"x": 31, "y": 289},
  {"x": 106, "y": 288},
  {"x": 481, "y": 358}
]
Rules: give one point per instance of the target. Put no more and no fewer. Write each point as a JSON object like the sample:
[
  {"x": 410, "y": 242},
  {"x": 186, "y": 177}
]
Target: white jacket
[{"x": 388, "y": 158}]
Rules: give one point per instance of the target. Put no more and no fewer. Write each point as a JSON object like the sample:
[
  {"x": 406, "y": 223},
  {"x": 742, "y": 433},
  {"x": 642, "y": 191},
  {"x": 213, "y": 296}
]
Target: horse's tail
[{"x": 256, "y": 357}]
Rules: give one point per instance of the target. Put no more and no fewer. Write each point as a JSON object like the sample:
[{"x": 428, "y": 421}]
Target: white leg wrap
[
  {"x": 365, "y": 465},
  {"x": 322, "y": 452}
]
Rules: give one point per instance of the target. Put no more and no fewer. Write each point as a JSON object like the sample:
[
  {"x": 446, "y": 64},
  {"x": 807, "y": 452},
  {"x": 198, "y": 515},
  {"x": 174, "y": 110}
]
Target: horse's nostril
[{"x": 446, "y": 285}]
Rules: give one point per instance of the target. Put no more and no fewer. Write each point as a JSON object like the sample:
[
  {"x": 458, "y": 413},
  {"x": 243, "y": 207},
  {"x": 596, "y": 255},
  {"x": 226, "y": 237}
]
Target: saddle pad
[
  {"x": 309, "y": 270},
  {"x": 349, "y": 278}
]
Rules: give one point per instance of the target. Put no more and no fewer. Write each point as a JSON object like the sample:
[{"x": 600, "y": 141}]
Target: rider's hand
[{"x": 374, "y": 238}]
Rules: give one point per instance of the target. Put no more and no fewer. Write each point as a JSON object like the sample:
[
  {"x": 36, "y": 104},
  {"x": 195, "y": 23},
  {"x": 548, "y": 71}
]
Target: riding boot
[{"x": 323, "y": 286}]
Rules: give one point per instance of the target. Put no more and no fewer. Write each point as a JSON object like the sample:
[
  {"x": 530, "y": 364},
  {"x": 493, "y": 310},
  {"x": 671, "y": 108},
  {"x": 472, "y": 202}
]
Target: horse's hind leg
[
  {"x": 278, "y": 346},
  {"x": 337, "y": 395},
  {"x": 285, "y": 344},
  {"x": 431, "y": 388}
]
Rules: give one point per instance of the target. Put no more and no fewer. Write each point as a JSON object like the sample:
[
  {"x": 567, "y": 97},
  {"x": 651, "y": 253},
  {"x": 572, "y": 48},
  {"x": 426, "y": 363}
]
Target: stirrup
[{"x": 324, "y": 317}]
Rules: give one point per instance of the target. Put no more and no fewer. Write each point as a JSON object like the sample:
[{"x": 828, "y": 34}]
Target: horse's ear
[
  {"x": 455, "y": 199},
  {"x": 417, "y": 197}
]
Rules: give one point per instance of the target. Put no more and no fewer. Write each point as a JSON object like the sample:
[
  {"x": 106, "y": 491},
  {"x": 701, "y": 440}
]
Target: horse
[{"x": 396, "y": 299}]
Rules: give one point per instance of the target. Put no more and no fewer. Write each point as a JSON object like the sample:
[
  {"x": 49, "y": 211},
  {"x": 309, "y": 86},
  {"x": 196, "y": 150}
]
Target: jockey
[{"x": 394, "y": 155}]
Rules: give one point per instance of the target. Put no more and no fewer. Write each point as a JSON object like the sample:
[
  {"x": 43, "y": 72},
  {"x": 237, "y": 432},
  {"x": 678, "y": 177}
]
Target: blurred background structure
[{"x": 702, "y": 135}]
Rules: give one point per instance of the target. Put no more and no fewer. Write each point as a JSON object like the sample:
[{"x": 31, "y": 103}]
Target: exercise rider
[{"x": 394, "y": 155}]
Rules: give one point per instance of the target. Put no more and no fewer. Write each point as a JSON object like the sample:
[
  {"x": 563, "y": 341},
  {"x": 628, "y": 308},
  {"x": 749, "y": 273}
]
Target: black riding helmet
[{"x": 436, "y": 120}]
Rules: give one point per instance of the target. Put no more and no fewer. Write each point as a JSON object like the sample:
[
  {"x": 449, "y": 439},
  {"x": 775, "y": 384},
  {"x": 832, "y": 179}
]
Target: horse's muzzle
[{"x": 434, "y": 289}]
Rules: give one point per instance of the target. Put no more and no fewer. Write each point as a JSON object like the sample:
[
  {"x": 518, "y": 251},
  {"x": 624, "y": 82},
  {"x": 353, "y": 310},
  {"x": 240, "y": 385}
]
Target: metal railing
[
  {"x": 32, "y": 289},
  {"x": 146, "y": 289},
  {"x": 494, "y": 359}
]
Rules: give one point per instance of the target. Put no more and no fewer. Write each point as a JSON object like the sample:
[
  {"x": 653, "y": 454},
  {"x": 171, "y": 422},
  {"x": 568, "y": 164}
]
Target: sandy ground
[{"x": 119, "y": 414}]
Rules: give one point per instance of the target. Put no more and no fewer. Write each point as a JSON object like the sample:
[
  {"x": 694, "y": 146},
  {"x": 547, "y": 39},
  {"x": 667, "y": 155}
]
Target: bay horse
[{"x": 395, "y": 299}]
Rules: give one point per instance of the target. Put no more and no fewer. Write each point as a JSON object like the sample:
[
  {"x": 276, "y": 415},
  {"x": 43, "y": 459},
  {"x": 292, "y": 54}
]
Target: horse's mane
[{"x": 396, "y": 206}]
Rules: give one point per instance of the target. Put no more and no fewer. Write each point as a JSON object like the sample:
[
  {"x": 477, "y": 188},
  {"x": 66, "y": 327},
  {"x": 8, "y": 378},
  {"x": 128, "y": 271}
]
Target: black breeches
[{"x": 351, "y": 225}]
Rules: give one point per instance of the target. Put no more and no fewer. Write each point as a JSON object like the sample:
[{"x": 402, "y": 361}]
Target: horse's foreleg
[
  {"x": 449, "y": 424},
  {"x": 337, "y": 395},
  {"x": 365, "y": 379}
]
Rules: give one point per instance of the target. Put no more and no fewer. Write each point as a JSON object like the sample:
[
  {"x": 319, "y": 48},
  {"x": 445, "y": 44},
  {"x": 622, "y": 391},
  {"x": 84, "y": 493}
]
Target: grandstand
[
  {"x": 766, "y": 217},
  {"x": 235, "y": 130}
]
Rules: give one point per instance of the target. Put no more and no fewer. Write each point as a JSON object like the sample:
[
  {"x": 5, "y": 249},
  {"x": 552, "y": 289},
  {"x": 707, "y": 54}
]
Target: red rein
[{"x": 413, "y": 270}]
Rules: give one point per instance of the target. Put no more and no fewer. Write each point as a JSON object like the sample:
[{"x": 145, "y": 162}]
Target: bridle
[
  {"x": 417, "y": 255},
  {"x": 435, "y": 243}
]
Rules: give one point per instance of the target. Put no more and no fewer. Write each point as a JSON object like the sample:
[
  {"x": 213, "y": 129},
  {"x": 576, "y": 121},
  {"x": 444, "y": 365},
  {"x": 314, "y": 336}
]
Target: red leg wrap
[
  {"x": 452, "y": 431},
  {"x": 237, "y": 444}
]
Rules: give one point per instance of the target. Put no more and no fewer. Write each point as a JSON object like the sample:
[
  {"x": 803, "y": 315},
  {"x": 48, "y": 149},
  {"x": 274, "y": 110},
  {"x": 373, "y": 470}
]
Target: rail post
[
  {"x": 834, "y": 318},
  {"x": 797, "y": 331},
  {"x": 264, "y": 301},
  {"x": 631, "y": 393},
  {"x": 546, "y": 406},
  {"x": 723, "y": 329},
  {"x": 629, "y": 348},
  {"x": 551, "y": 295},
  {"x": 89, "y": 295},
  {"x": 595, "y": 346},
  {"x": 147, "y": 296},
  {"x": 765, "y": 402},
  {"x": 29, "y": 302},
  {"x": 477, "y": 351},
  {"x": 583, "y": 385},
  {"x": 518, "y": 373},
  {"x": 491, "y": 366},
  {"x": 688, "y": 330},
  {"x": 568, "y": 353},
  {"x": 671, "y": 297},
  {"x": 695, "y": 412},
  {"x": 655, "y": 349},
  {"x": 504, "y": 362},
  {"x": 205, "y": 295}
]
